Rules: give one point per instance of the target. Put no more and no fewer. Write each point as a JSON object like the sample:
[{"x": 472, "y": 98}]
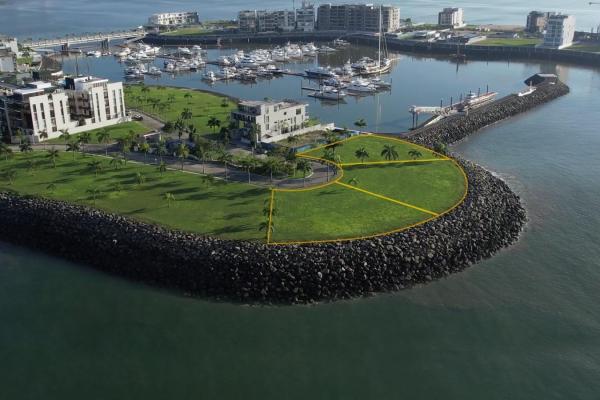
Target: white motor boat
[
  {"x": 184, "y": 51},
  {"x": 224, "y": 61},
  {"x": 93, "y": 54},
  {"x": 361, "y": 86},
  {"x": 381, "y": 84},
  {"x": 209, "y": 76},
  {"x": 329, "y": 93},
  {"x": 153, "y": 71},
  {"x": 319, "y": 73},
  {"x": 227, "y": 73},
  {"x": 327, "y": 49}
]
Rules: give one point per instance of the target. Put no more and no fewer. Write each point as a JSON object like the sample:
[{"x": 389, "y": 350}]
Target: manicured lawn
[
  {"x": 227, "y": 210},
  {"x": 374, "y": 146},
  {"x": 116, "y": 132},
  {"x": 588, "y": 47},
  {"x": 435, "y": 186},
  {"x": 191, "y": 31},
  {"x": 336, "y": 212},
  {"x": 170, "y": 102},
  {"x": 521, "y": 42}
]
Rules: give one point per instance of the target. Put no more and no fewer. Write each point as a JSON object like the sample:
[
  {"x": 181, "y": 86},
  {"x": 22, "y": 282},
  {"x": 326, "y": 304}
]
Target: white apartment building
[
  {"x": 276, "y": 21},
  {"x": 83, "y": 104},
  {"x": 306, "y": 17},
  {"x": 272, "y": 119},
  {"x": 358, "y": 17},
  {"x": 174, "y": 19},
  {"x": 560, "y": 31},
  {"x": 8, "y": 61},
  {"x": 452, "y": 17}
]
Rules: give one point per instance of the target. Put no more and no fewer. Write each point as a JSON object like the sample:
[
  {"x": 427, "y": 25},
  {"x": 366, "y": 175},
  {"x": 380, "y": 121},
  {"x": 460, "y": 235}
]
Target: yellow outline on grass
[
  {"x": 270, "y": 216},
  {"x": 337, "y": 181},
  {"x": 393, "y": 162}
]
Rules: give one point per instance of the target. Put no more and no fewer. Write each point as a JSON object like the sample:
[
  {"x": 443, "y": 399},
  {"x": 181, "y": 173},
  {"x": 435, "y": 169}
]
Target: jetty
[{"x": 66, "y": 41}]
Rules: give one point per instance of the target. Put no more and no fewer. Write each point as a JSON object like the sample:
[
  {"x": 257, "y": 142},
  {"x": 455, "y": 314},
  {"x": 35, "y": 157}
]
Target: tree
[
  {"x": 145, "y": 148},
  {"x": 117, "y": 161},
  {"x": 43, "y": 136},
  {"x": 292, "y": 140},
  {"x": 168, "y": 127},
  {"x": 25, "y": 147},
  {"x": 225, "y": 102},
  {"x": 96, "y": 166},
  {"x": 170, "y": 198},
  {"x": 361, "y": 123},
  {"x": 328, "y": 155},
  {"x": 31, "y": 166},
  {"x": 51, "y": 188},
  {"x": 10, "y": 175},
  {"x": 305, "y": 167},
  {"x": 202, "y": 151},
  {"x": 65, "y": 136},
  {"x": 226, "y": 158},
  {"x": 268, "y": 227},
  {"x": 273, "y": 164},
  {"x": 188, "y": 96},
  {"x": 5, "y": 151},
  {"x": 224, "y": 132},
  {"x": 140, "y": 178},
  {"x": 84, "y": 139},
  {"x": 73, "y": 147},
  {"x": 182, "y": 153},
  {"x": 186, "y": 114},
  {"x": 162, "y": 167},
  {"x": 53, "y": 155},
  {"x": 353, "y": 182},
  {"x": 180, "y": 127},
  {"x": 160, "y": 148},
  {"x": 93, "y": 192},
  {"x": 362, "y": 154},
  {"x": 248, "y": 162},
  {"x": 213, "y": 122},
  {"x": 192, "y": 133},
  {"x": 124, "y": 144},
  {"x": 389, "y": 152},
  {"x": 440, "y": 148},
  {"x": 117, "y": 187},
  {"x": 414, "y": 154},
  {"x": 103, "y": 137}
]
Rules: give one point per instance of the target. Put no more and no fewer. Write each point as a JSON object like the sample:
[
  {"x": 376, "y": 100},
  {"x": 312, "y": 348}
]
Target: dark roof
[{"x": 541, "y": 78}]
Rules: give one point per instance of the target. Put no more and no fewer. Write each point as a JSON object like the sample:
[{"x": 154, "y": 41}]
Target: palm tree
[
  {"x": 73, "y": 147},
  {"x": 328, "y": 155},
  {"x": 25, "y": 147},
  {"x": 248, "y": 162},
  {"x": 188, "y": 96},
  {"x": 170, "y": 198},
  {"x": 268, "y": 227},
  {"x": 414, "y": 154},
  {"x": 305, "y": 167},
  {"x": 104, "y": 137},
  {"x": 93, "y": 192},
  {"x": 353, "y": 182},
  {"x": 362, "y": 154},
  {"x": 117, "y": 161},
  {"x": 182, "y": 153},
  {"x": 224, "y": 132},
  {"x": 292, "y": 140},
  {"x": 6, "y": 151},
  {"x": 53, "y": 154},
  {"x": 117, "y": 187},
  {"x": 43, "y": 136},
  {"x": 192, "y": 133},
  {"x": 179, "y": 127},
  {"x": 162, "y": 167},
  {"x": 389, "y": 152},
  {"x": 96, "y": 166},
  {"x": 186, "y": 114},
  {"x": 213, "y": 122},
  {"x": 160, "y": 148},
  {"x": 202, "y": 152},
  {"x": 51, "y": 188},
  {"x": 225, "y": 102},
  {"x": 65, "y": 135},
  {"x": 84, "y": 139},
  {"x": 226, "y": 158},
  {"x": 361, "y": 123},
  {"x": 31, "y": 166},
  {"x": 124, "y": 144},
  {"x": 10, "y": 175},
  {"x": 273, "y": 164},
  {"x": 145, "y": 148},
  {"x": 440, "y": 148}
]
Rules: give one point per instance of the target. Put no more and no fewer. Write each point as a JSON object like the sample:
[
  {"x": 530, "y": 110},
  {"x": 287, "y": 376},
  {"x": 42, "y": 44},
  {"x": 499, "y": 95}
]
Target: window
[{"x": 298, "y": 111}]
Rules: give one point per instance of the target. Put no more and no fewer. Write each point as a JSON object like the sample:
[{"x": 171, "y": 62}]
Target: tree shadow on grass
[{"x": 133, "y": 212}]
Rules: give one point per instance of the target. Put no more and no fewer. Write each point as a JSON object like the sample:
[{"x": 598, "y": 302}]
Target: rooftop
[{"x": 258, "y": 103}]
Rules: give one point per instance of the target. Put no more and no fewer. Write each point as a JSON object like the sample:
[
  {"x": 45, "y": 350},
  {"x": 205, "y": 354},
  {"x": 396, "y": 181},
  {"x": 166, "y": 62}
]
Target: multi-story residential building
[
  {"x": 452, "y": 17},
  {"x": 174, "y": 19},
  {"x": 275, "y": 21},
  {"x": 358, "y": 17},
  {"x": 560, "y": 31},
  {"x": 306, "y": 17},
  {"x": 84, "y": 103},
  {"x": 8, "y": 61},
  {"x": 270, "y": 119},
  {"x": 248, "y": 21},
  {"x": 9, "y": 43},
  {"x": 537, "y": 20}
]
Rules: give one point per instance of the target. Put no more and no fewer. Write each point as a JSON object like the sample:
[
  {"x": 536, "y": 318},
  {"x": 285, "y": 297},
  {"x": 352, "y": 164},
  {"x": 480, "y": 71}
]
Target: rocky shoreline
[{"x": 490, "y": 218}]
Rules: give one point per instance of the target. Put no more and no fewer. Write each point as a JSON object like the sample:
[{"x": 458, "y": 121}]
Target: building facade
[
  {"x": 536, "y": 21},
  {"x": 248, "y": 21},
  {"x": 83, "y": 104},
  {"x": 270, "y": 119},
  {"x": 174, "y": 19},
  {"x": 306, "y": 17},
  {"x": 560, "y": 31},
  {"x": 452, "y": 17},
  {"x": 276, "y": 21},
  {"x": 8, "y": 61},
  {"x": 358, "y": 17}
]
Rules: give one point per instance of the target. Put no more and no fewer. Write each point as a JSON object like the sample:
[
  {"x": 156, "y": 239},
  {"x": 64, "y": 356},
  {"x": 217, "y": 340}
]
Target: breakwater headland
[{"x": 490, "y": 218}]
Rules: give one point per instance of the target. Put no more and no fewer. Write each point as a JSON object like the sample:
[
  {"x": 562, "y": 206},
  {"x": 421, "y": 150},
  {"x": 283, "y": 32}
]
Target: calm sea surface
[{"x": 524, "y": 325}]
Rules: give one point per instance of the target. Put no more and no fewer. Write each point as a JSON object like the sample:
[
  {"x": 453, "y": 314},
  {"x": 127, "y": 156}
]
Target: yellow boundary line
[
  {"x": 403, "y": 229},
  {"x": 393, "y": 162},
  {"x": 270, "y": 216},
  {"x": 379, "y": 196}
]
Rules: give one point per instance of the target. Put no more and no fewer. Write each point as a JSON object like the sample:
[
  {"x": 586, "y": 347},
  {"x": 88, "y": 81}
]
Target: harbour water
[{"x": 523, "y": 325}]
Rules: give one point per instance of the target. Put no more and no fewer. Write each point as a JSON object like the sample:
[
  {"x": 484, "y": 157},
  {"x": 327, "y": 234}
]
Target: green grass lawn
[
  {"x": 172, "y": 101},
  {"x": 190, "y": 31},
  {"x": 116, "y": 132},
  {"x": 435, "y": 186},
  {"x": 374, "y": 146},
  {"x": 520, "y": 42},
  {"x": 227, "y": 210},
  {"x": 336, "y": 212},
  {"x": 587, "y": 47}
]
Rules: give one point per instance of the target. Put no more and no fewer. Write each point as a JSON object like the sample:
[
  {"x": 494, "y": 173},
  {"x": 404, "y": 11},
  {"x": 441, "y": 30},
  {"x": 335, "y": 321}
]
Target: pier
[{"x": 66, "y": 41}]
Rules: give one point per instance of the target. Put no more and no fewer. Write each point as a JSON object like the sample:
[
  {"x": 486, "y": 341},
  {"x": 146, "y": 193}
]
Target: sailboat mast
[{"x": 380, "y": 31}]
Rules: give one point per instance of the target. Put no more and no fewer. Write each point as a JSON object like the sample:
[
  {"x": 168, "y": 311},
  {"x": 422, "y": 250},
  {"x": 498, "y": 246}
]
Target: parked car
[{"x": 137, "y": 117}]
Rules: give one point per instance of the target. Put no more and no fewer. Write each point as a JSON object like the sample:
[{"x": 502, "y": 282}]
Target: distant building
[
  {"x": 452, "y": 17},
  {"x": 272, "y": 120},
  {"x": 84, "y": 103},
  {"x": 537, "y": 20},
  {"x": 358, "y": 17},
  {"x": 306, "y": 17},
  {"x": 9, "y": 43},
  {"x": 276, "y": 21},
  {"x": 248, "y": 21},
  {"x": 560, "y": 31},
  {"x": 174, "y": 19},
  {"x": 8, "y": 61}
]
